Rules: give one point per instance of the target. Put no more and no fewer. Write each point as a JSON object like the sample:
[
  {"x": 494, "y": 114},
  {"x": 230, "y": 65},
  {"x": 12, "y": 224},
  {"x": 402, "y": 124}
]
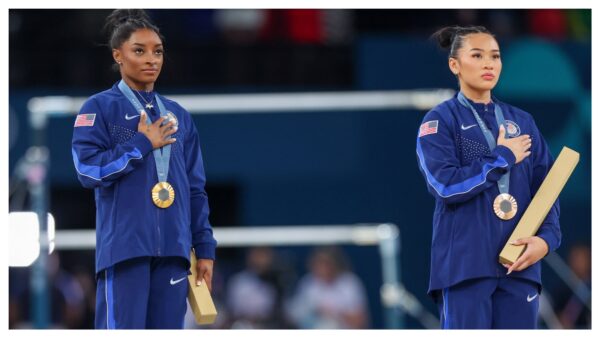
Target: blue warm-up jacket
[
  {"x": 115, "y": 160},
  {"x": 462, "y": 173}
]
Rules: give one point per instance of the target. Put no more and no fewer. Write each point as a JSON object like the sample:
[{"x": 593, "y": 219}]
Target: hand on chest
[
  {"x": 470, "y": 139},
  {"x": 126, "y": 123}
]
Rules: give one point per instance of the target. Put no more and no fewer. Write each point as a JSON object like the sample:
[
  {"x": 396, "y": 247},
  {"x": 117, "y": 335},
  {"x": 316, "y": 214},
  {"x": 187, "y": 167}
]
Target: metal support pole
[
  {"x": 37, "y": 160},
  {"x": 389, "y": 248}
]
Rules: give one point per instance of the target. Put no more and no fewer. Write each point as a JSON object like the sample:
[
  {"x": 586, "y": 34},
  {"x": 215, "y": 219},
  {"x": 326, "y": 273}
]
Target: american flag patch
[
  {"x": 85, "y": 120},
  {"x": 429, "y": 127}
]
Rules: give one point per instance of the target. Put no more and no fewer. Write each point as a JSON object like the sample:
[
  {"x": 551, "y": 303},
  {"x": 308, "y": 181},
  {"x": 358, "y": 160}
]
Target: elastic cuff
[
  {"x": 506, "y": 154},
  {"x": 549, "y": 239},
  {"x": 142, "y": 143},
  {"x": 205, "y": 251}
]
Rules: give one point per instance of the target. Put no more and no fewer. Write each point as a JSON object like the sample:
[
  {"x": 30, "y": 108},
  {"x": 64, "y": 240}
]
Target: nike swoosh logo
[
  {"x": 462, "y": 126},
  {"x": 127, "y": 117},
  {"x": 173, "y": 282},
  {"x": 529, "y": 299}
]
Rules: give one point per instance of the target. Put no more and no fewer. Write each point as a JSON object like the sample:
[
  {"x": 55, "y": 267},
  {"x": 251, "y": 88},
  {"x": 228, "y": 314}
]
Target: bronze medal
[{"x": 505, "y": 206}]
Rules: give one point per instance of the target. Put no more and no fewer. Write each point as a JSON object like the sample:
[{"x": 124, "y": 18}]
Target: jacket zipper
[
  {"x": 158, "y": 230},
  {"x": 157, "y": 217},
  {"x": 498, "y": 270}
]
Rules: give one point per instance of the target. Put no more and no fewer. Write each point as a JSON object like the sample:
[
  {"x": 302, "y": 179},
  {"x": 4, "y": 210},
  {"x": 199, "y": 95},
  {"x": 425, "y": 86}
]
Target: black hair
[
  {"x": 121, "y": 23},
  {"x": 452, "y": 37}
]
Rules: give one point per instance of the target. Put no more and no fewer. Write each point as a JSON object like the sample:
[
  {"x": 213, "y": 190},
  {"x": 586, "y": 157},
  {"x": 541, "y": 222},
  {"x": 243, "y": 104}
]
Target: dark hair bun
[
  {"x": 452, "y": 37},
  {"x": 121, "y": 16},
  {"x": 445, "y": 36},
  {"x": 121, "y": 23}
]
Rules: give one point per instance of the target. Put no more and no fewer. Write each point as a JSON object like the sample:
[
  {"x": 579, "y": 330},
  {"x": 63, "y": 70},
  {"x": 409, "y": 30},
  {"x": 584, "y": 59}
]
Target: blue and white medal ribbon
[
  {"x": 163, "y": 193},
  {"x": 505, "y": 205}
]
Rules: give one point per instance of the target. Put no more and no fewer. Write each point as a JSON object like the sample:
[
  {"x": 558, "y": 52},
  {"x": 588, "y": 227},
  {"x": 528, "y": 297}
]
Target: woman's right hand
[
  {"x": 518, "y": 145},
  {"x": 156, "y": 133}
]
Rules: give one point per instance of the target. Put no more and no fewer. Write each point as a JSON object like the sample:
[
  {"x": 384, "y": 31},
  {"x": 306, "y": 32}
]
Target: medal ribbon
[
  {"x": 161, "y": 158},
  {"x": 504, "y": 181}
]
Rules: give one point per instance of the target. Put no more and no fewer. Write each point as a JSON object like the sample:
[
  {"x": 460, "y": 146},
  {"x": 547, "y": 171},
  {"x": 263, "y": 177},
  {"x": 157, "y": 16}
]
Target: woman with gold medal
[
  {"x": 140, "y": 152},
  {"x": 483, "y": 160}
]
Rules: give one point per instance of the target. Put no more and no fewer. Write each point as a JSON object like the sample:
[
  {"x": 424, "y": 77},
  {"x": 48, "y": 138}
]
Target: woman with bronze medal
[
  {"x": 140, "y": 152},
  {"x": 483, "y": 160}
]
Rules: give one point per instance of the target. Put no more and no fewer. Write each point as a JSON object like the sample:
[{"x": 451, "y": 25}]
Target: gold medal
[
  {"x": 505, "y": 206},
  {"x": 163, "y": 194}
]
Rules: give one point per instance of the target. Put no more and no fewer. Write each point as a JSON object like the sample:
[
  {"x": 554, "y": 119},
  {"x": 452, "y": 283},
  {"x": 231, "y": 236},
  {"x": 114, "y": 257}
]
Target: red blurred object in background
[{"x": 550, "y": 23}]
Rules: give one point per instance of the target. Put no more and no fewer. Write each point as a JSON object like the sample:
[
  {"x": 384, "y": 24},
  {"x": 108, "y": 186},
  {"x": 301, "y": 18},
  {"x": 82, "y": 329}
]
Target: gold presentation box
[
  {"x": 199, "y": 297},
  {"x": 541, "y": 203}
]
